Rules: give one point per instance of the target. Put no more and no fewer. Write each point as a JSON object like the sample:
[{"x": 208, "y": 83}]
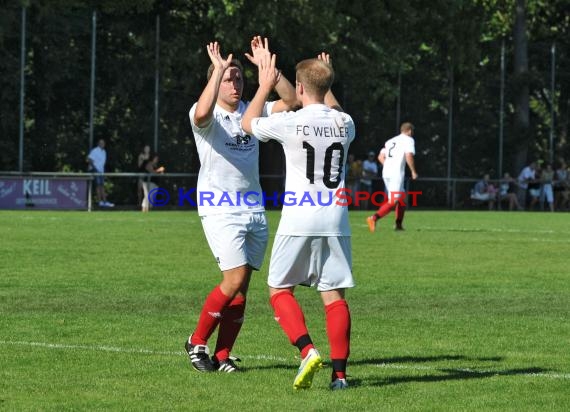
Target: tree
[
  {"x": 521, "y": 80},
  {"x": 372, "y": 44}
]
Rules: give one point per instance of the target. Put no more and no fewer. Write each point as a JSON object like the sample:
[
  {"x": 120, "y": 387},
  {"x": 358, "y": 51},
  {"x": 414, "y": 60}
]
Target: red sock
[
  {"x": 400, "y": 210},
  {"x": 338, "y": 332},
  {"x": 210, "y": 316},
  {"x": 290, "y": 316},
  {"x": 383, "y": 210},
  {"x": 230, "y": 325}
]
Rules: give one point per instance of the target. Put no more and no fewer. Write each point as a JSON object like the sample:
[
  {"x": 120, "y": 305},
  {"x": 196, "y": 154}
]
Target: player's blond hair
[
  {"x": 316, "y": 76},
  {"x": 406, "y": 127},
  {"x": 234, "y": 63}
]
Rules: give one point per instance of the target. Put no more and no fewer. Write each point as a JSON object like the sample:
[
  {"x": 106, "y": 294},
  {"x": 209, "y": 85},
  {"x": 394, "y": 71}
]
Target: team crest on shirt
[
  {"x": 240, "y": 143},
  {"x": 242, "y": 139}
]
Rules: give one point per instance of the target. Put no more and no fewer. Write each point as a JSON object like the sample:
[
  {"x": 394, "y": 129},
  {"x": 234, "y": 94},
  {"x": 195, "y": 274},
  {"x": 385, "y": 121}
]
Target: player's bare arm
[
  {"x": 284, "y": 88},
  {"x": 207, "y": 101},
  {"x": 382, "y": 156},
  {"x": 288, "y": 97},
  {"x": 268, "y": 77},
  {"x": 330, "y": 99},
  {"x": 411, "y": 165}
]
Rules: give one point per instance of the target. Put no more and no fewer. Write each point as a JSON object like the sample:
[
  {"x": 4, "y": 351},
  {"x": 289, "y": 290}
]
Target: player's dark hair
[{"x": 233, "y": 63}]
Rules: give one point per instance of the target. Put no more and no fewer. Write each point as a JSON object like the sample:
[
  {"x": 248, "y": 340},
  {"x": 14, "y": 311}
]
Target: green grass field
[{"x": 464, "y": 311}]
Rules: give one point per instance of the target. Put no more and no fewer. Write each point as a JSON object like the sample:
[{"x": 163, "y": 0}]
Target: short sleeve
[{"x": 410, "y": 146}]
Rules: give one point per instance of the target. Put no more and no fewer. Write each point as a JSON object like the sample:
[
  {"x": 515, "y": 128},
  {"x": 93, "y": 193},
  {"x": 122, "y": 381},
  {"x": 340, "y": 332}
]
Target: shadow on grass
[
  {"x": 434, "y": 373},
  {"x": 380, "y": 361},
  {"x": 288, "y": 366},
  {"x": 449, "y": 375},
  {"x": 421, "y": 359}
]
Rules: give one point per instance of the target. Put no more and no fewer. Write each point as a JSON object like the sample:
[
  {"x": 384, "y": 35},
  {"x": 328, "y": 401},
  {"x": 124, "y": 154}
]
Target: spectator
[
  {"x": 508, "y": 192},
  {"x": 484, "y": 191},
  {"x": 527, "y": 186},
  {"x": 369, "y": 174},
  {"x": 143, "y": 156},
  {"x": 353, "y": 172},
  {"x": 149, "y": 183},
  {"x": 96, "y": 159},
  {"x": 561, "y": 186},
  {"x": 546, "y": 179}
]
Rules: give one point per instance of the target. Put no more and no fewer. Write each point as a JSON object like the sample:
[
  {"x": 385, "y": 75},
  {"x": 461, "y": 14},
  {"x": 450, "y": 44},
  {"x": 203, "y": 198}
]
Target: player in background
[
  {"x": 312, "y": 246},
  {"x": 396, "y": 153},
  {"x": 236, "y": 233}
]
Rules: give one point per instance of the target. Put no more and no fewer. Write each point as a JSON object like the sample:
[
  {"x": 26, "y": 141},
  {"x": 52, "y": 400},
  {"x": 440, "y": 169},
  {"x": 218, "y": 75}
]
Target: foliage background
[{"x": 372, "y": 43}]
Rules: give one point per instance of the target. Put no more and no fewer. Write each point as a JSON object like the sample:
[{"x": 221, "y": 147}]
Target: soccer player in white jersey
[
  {"x": 312, "y": 245},
  {"x": 396, "y": 153},
  {"x": 236, "y": 231}
]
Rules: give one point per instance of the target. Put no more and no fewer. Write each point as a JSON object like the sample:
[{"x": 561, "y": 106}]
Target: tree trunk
[{"x": 521, "y": 135}]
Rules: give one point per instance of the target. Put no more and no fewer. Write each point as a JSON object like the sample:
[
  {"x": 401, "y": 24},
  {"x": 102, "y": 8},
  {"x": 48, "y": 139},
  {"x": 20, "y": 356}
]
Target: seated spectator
[
  {"x": 508, "y": 192},
  {"x": 484, "y": 192}
]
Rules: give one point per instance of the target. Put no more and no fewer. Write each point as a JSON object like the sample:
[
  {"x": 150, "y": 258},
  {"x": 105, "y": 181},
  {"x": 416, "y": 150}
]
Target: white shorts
[
  {"x": 324, "y": 261},
  {"x": 237, "y": 239},
  {"x": 394, "y": 185}
]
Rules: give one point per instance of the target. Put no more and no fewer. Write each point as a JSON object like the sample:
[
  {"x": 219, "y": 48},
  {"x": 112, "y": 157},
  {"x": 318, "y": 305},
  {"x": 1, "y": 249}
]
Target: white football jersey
[
  {"x": 228, "y": 181},
  {"x": 395, "y": 151},
  {"x": 315, "y": 140}
]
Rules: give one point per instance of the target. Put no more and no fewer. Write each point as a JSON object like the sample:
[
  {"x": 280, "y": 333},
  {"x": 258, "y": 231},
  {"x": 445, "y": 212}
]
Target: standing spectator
[
  {"x": 369, "y": 175},
  {"x": 236, "y": 231},
  {"x": 485, "y": 192},
  {"x": 150, "y": 166},
  {"x": 546, "y": 192},
  {"x": 312, "y": 245},
  {"x": 396, "y": 153},
  {"x": 535, "y": 188},
  {"x": 143, "y": 156},
  {"x": 353, "y": 172},
  {"x": 527, "y": 177},
  {"x": 507, "y": 192},
  {"x": 561, "y": 186},
  {"x": 96, "y": 159}
]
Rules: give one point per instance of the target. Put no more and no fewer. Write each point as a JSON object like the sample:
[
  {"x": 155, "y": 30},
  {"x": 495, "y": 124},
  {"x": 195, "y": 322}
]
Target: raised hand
[
  {"x": 259, "y": 49},
  {"x": 268, "y": 74},
  {"x": 325, "y": 57},
  {"x": 330, "y": 99},
  {"x": 218, "y": 61}
]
